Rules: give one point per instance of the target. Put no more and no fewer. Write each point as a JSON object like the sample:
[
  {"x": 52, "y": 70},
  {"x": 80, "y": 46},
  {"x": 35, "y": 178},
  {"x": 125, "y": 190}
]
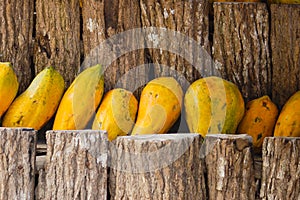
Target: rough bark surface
[
  {"x": 285, "y": 46},
  {"x": 241, "y": 46},
  {"x": 57, "y": 40},
  {"x": 16, "y": 37},
  {"x": 76, "y": 165},
  {"x": 230, "y": 167},
  {"x": 281, "y": 168},
  {"x": 41, "y": 185},
  {"x": 157, "y": 167},
  {"x": 17, "y": 168},
  {"x": 105, "y": 42},
  {"x": 185, "y": 56}
]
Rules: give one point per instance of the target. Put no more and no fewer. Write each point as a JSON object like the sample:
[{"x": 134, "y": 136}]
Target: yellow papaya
[
  {"x": 259, "y": 120},
  {"x": 213, "y": 105},
  {"x": 81, "y": 100},
  {"x": 159, "y": 106},
  {"x": 9, "y": 86},
  {"x": 38, "y": 103},
  {"x": 288, "y": 122},
  {"x": 116, "y": 113}
]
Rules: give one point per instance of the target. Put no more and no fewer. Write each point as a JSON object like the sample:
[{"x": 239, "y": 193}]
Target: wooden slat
[
  {"x": 16, "y": 29},
  {"x": 57, "y": 40},
  {"x": 285, "y": 46}
]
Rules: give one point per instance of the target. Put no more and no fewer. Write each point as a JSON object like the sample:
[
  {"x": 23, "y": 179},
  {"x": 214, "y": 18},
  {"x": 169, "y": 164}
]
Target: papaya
[
  {"x": 9, "y": 86},
  {"x": 288, "y": 122},
  {"x": 213, "y": 105},
  {"x": 38, "y": 103},
  {"x": 116, "y": 113},
  {"x": 283, "y": 1},
  {"x": 159, "y": 106},
  {"x": 259, "y": 120},
  {"x": 81, "y": 100}
]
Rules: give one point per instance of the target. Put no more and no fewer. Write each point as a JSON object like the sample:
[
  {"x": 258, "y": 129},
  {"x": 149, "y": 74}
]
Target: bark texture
[
  {"x": 16, "y": 38},
  {"x": 230, "y": 167},
  {"x": 185, "y": 56},
  {"x": 157, "y": 167},
  {"x": 17, "y": 158},
  {"x": 281, "y": 168},
  {"x": 241, "y": 46},
  {"x": 106, "y": 42},
  {"x": 285, "y": 46},
  {"x": 76, "y": 165},
  {"x": 57, "y": 40}
]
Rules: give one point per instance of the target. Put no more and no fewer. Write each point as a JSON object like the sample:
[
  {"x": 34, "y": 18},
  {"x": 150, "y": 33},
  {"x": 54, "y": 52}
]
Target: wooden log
[
  {"x": 285, "y": 46},
  {"x": 17, "y": 158},
  {"x": 241, "y": 46},
  {"x": 76, "y": 165},
  {"x": 57, "y": 40},
  {"x": 41, "y": 185},
  {"x": 187, "y": 56},
  {"x": 157, "y": 167},
  {"x": 106, "y": 41},
  {"x": 16, "y": 29},
  {"x": 281, "y": 168},
  {"x": 230, "y": 166}
]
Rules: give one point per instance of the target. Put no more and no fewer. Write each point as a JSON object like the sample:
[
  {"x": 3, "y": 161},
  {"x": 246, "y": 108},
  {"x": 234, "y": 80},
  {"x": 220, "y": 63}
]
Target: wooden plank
[
  {"x": 241, "y": 46},
  {"x": 230, "y": 167},
  {"x": 281, "y": 168},
  {"x": 178, "y": 55},
  {"x": 16, "y": 29},
  {"x": 76, "y": 165},
  {"x": 57, "y": 40},
  {"x": 165, "y": 166},
  {"x": 285, "y": 46},
  {"x": 17, "y": 158}
]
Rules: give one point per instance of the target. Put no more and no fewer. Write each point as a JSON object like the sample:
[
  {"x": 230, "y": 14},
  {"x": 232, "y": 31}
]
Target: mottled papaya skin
[
  {"x": 8, "y": 86},
  {"x": 159, "y": 106},
  {"x": 213, "y": 105},
  {"x": 117, "y": 113},
  {"x": 283, "y": 1},
  {"x": 259, "y": 120},
  {"x": 38, "y": 103},
  {"x": 288, "y": 123}
]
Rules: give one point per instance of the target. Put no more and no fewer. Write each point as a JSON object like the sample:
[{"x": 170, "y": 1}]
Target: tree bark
[
  {"x": 16, "y": 29},
  {"x": 241, "y": 46},
  {"x": 186, "y": 57},
  {"x": 157, "y": 167},
  {"x": 17, "y": 158},
  {"x": 76, "y": 165},
  {"x": 230, "y": 167},
  {"x": 106, "y": 42},
  {"x": 57, "y": 40},
  {"x": 285, "y": 46},
  {"x": 281, "y": 168}
]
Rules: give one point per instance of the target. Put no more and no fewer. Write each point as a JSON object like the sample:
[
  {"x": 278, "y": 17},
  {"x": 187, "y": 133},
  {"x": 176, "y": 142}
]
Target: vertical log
[
  {"x": 190, "y": 18},
  {"x": 241, "y": 46},
  {"x": 17, "y": 158},
  {"x": 230, "y": 167},
  {"x": 76, "y": 165},
  {"x": 157, "y": 167},
  {"x": 57, "y": 39},
  {"x": 281, "y": 168},
  {"x": 16, "y": 38},
  {"x": 285, "y": 46},
  {"x": 105, "y": 42}
]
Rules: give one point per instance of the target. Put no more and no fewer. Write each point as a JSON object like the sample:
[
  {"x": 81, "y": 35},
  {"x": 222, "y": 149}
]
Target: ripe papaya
[
  {"x": 288, "y": 122},
  {"x": 159, "y": 106},
  {"x": 259, "y": 120},
  {"x": 81, "y": 100},
  {"x": 116, "y": 113},
  {"x": 213, "y": 105},
  {"x": 9, "y": 86},
  {"x": 38, "y": 103}
]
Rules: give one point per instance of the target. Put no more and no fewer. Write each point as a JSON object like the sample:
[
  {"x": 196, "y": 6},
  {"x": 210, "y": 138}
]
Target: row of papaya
[{"x": 211, "y": 105}]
